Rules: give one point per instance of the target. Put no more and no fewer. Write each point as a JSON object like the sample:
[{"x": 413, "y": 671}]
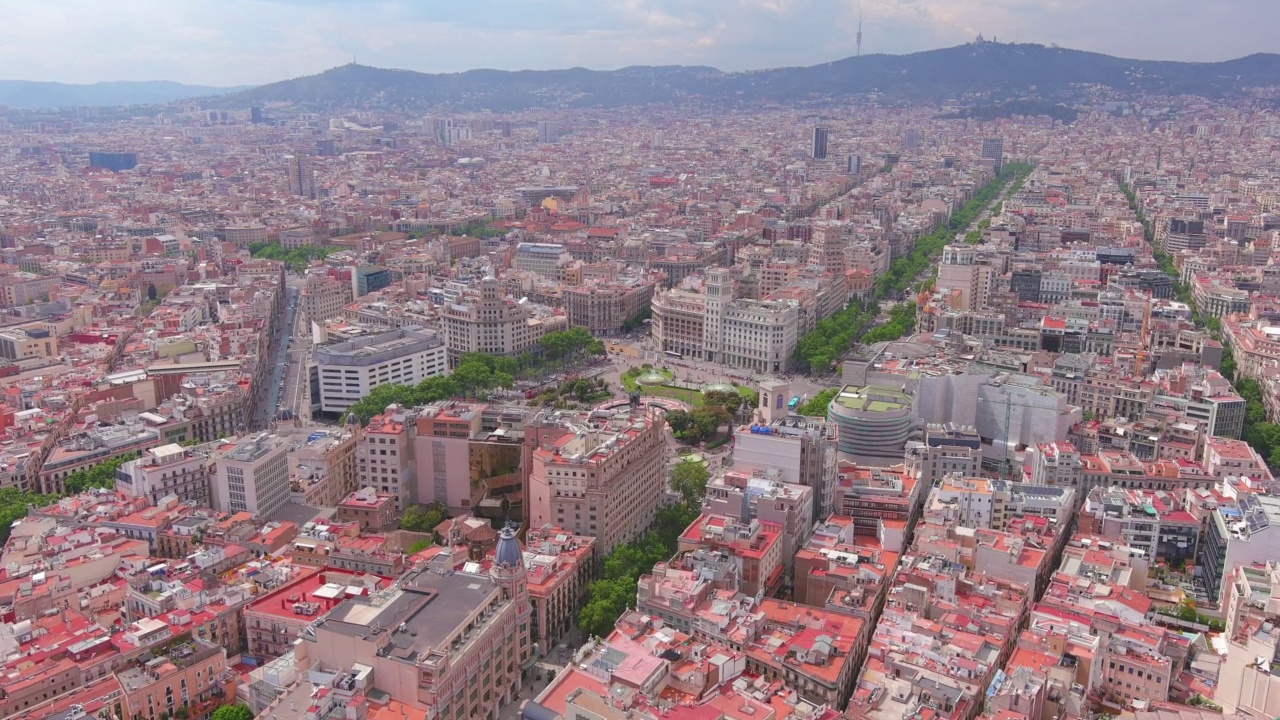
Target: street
[
  {"x": 288, "y": 348},
  {"x": 554, "y": 662},
  {"x": 295, "y": 396}
]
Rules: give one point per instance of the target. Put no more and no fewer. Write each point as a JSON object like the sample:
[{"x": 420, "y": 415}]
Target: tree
[
  {"x": 816, "y": 406},
  {"x": 102, "y": 475},
  {"x": 422, "y": 518},
  {"x": 689, "y": 479},
  {"x": 232, "y": 712},
  {"x": 472, "y": 376},
  {"x": 679, "y": 420},
  {"x": 609, "y": 597},
  {"x": 730, "y": 401},
  {"x": 708, "y": 419}
]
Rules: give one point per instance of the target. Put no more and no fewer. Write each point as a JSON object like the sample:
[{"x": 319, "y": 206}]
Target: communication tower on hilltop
[{"x": 858, "y": 37}]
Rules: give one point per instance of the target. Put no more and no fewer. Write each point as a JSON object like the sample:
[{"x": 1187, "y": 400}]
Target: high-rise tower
[
  {"x": 993, "y": 149},
  {"x": 819, "y": 149},
  {"x": 858, "y": 37},
  {"x": 302, "y": 177}
]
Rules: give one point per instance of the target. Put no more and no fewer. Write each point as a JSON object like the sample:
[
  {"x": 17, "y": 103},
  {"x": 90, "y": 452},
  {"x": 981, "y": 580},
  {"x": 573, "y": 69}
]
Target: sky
[{"x": 247, "y": 42}]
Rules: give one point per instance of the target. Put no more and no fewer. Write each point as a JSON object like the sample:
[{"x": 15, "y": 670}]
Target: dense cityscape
[{"x": 856, "y": 410}]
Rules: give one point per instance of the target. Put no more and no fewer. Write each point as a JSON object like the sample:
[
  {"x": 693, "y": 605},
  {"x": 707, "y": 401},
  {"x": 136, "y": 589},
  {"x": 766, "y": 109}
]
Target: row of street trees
[
  {"x": 14, "y": 503},
  {"x": 833, "y": 336},
  {"x": 477, "y": 373},
  {"x": 296, "y": 259}
]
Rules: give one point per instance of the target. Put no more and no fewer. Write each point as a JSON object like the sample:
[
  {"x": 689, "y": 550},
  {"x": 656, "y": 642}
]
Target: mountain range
[
  {"x": 29, "y": 94},
  {"x": 993, "y": 72},
  {"x": 1001, "y": 71}
]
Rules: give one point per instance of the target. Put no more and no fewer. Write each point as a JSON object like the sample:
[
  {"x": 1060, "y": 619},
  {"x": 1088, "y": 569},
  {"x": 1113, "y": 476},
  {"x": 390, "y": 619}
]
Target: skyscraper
[
  {"x": 255, "y": 115},
  {"x": 113, "y": 161},
  {"x": 819, "y": 150},
  {"x": 855, "y": 165},
  {"x": 993, "y": 149},
  {"x": 302, "y": 177},
  {"x": 548, "y": 131}
]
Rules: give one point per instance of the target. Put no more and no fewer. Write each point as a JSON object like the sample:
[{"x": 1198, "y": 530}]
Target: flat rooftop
[
  {"x": 377, "y": 348},
  {"x": 873, "y": 398},
  {"x": 430, "y": 605},
  {"x": 254, "y": 447}
]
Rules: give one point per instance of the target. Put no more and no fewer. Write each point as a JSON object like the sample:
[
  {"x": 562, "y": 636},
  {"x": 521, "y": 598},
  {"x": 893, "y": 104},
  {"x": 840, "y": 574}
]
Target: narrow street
[
  {"x": 295, "y": 395},
  {"x": 272, "y": 395}
]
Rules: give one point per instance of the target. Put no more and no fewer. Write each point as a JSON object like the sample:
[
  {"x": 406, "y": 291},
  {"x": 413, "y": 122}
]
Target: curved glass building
[{"x": 872, "y": 421}]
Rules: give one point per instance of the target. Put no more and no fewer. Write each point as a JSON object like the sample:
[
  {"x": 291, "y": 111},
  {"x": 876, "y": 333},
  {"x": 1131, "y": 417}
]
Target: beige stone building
[{"x": 596, "y": 474}]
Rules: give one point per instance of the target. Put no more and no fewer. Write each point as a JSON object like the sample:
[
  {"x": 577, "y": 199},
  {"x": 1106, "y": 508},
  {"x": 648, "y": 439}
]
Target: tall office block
[
  {"x": 819, "y": 149},
  {"x": 855, "y": 165},
  {"x": 252, "y": 475},
  {"x": 113, "y": 161},
  {"x": 347, "y": 371},
  {"x": 548, "y": 131},
  {"x": 993, "y": 149},
  {"x": 302, "y": 176},
  {"x": 368, "y": 278}
]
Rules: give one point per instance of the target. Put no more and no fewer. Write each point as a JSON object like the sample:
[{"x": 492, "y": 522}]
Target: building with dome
[{"x": 508, "y": 571}]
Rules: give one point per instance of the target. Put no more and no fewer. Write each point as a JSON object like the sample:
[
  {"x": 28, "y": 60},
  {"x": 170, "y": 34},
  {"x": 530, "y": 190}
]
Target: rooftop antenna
[{"x": 858, "y": 37}]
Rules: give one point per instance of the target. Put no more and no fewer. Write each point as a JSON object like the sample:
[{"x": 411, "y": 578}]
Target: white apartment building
[
  {"x": 545, "y": 259},
  {"x": 345, "y": 372},
  {"x": 252, "y": 475},
  {"x": 716, "y": 326},
  {"x": 493, "y": 324},
  {"x": 163, "y": 471}
]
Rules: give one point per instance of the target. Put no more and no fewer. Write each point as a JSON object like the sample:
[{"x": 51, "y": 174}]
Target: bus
[
  {"x": 674, "y": 354},
  {"x": 794, "y": 402}
]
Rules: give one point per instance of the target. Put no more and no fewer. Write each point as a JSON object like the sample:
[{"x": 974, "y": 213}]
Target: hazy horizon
[{"x": 253, "y": 42}]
